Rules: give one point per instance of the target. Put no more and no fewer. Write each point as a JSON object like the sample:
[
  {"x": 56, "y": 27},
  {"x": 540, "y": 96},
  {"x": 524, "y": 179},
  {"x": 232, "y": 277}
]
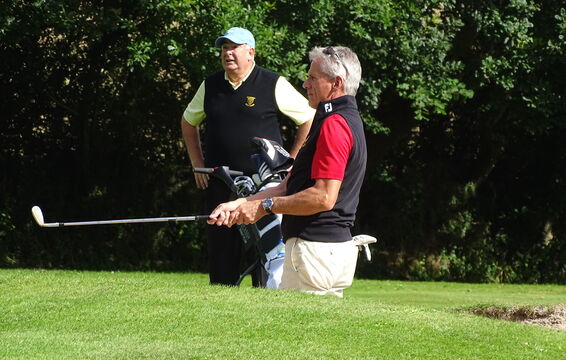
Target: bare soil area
[{"x": 553, "y": 317}]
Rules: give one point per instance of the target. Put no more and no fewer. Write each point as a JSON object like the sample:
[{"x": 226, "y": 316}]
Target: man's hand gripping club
[
  {"x": 237, "y": 212},
  {"x": 245, "y": 210}
]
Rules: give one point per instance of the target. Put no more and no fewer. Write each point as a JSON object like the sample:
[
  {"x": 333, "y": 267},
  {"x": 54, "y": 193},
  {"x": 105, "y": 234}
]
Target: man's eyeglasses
[{"x": 330, "y": 51}]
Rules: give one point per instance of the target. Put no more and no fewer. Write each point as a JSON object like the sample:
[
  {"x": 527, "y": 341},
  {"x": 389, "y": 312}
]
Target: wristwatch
[{"x": 267, "y": 204}]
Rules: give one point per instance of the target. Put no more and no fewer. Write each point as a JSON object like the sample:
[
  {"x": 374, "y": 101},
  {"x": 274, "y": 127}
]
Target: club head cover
[{"x": 274, "y": 155}]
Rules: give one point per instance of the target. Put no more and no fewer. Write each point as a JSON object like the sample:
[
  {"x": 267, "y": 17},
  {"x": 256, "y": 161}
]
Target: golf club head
[{"x": 38, "y": 215}]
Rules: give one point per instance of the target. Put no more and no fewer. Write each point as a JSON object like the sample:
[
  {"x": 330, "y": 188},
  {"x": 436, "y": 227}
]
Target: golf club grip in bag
[{"x": 211, "y": 170}]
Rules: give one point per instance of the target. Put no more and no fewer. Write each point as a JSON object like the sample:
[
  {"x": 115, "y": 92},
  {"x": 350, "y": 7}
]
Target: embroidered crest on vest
[
  {"x": 250, "y": 101},
  {"x": 328, "y": 107}
]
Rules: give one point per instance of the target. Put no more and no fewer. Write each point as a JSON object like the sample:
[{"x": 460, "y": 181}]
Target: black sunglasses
[{"x": 330, "y": 51}]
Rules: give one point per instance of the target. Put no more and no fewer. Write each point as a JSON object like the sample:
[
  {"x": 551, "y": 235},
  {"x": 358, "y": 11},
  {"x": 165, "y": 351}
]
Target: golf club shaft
[{"x": 127, "y": 221}]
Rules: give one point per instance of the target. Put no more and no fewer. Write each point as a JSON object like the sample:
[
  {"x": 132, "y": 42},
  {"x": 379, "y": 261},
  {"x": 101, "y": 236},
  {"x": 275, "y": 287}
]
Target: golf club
[
  {"x": 38, "y": 216},
  {"x": 223, "y": 173}
]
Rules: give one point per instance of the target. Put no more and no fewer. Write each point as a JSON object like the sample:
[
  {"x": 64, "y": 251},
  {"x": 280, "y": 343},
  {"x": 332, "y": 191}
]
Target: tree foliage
[{"x": 463, "y": 103}]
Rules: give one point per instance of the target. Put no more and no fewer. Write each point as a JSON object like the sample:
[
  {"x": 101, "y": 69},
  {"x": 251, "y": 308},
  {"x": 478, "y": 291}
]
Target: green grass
[{"x": 104, "y": 315}]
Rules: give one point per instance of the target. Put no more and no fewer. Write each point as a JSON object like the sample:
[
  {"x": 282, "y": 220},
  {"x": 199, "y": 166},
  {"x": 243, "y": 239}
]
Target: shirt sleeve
[
  {"x": 292, "y": 103},
  {"x": 333, "y": 149},
  {"x": 194, "y": 113}
]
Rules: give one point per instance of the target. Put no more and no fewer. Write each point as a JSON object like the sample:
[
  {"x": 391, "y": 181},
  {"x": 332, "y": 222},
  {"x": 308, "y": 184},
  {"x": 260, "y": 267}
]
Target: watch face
[{"x": 267, "y": 204}]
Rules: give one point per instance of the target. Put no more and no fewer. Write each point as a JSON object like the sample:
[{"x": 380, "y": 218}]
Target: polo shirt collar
[{"x": 238, "y": 84}]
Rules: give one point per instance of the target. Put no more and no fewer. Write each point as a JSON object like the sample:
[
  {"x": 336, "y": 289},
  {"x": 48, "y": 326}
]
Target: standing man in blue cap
[{"x": 238, "y": 103}]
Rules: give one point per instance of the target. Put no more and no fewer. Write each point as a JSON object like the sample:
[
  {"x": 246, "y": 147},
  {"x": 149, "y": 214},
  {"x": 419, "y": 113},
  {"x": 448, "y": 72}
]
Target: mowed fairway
[{"x": 104, "y": 315}]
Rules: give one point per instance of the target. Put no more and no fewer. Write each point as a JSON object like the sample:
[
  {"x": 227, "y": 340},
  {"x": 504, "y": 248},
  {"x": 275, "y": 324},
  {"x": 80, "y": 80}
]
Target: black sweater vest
[
  {"x": 333, "y": 225},
  {"x": 234, "y": 117}
]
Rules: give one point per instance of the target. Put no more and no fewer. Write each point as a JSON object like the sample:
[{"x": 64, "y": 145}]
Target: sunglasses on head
[{"x": 332, "y": 52}]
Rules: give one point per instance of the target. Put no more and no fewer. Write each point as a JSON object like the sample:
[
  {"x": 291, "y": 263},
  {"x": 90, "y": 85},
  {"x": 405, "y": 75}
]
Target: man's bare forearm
[
  {"x": 317, "y": 198},
  {"x": 191, "y": 138}
]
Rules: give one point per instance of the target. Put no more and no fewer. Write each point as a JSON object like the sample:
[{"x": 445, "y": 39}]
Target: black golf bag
[{"x": 272, "y": 162}]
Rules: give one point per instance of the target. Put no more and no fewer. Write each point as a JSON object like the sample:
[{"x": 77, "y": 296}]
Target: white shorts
[{"x": 319, "y": 267}]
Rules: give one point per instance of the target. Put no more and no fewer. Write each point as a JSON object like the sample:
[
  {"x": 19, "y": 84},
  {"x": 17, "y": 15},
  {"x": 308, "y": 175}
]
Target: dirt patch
[{"x": 553, "y": 317}]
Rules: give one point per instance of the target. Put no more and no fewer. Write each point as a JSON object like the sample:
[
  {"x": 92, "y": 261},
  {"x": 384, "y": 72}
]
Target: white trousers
[{"x": 319, "y": 267}]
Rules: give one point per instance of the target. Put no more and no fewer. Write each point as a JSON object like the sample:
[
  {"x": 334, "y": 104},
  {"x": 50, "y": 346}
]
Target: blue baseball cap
[{"x": 236, "y": 35}]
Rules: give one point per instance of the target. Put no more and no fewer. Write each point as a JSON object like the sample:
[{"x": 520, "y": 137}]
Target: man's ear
[
  {"x": 252, "y": 52},
  {"x": 338, "y": 82}
]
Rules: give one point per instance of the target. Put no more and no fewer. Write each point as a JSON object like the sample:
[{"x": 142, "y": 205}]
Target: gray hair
[{"x": 339, "y": 61}]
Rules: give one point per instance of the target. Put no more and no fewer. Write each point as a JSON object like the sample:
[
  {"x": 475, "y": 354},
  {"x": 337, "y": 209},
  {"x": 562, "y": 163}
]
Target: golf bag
[{"x": 272, "y": 162}]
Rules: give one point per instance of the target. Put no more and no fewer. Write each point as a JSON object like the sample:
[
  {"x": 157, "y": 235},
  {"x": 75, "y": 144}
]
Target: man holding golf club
[
  {"x": 236, "y": 104},
  {"x": 319, "y": 198}
]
